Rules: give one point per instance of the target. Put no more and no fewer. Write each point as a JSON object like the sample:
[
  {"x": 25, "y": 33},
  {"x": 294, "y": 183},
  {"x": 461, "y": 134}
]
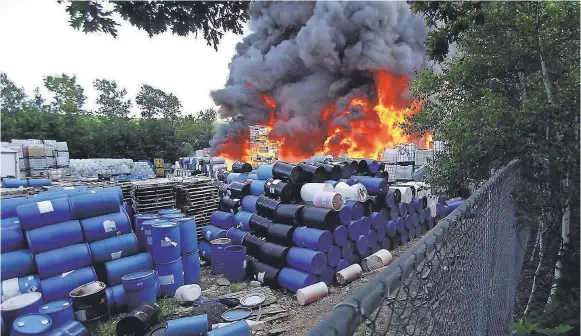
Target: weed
[
  {"x": 169, "y": 307},
  {"x": 108, "y": 329},
  {"x": 236, "y": 287}
]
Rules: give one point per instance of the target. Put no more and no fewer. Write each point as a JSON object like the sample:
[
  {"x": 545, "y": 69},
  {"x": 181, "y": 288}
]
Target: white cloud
[{"x": 36, "y": 41}]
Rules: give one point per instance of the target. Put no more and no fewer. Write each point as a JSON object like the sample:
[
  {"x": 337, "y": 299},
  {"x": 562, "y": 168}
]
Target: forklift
[{"x": 159, "y": 167}]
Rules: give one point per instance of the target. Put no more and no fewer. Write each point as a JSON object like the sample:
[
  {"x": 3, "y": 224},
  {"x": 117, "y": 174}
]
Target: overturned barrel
[
  {"x": 264, "y": 273},
  {"x": 266, "y": 206},
  {"x": 241, "y": 167},
  {"x": 319, "y": 218},
  {"x": 313, "y": 173},
  {"x": 279, "y": 189},
  {"x": 287, "y": 172}
]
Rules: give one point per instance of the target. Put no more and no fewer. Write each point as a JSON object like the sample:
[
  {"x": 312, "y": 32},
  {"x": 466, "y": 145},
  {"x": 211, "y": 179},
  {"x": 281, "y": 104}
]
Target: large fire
[{"x": 378, "y": 125}]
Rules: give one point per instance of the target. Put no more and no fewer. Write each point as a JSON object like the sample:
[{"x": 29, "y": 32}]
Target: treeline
[{"x": 108, "y": 131}]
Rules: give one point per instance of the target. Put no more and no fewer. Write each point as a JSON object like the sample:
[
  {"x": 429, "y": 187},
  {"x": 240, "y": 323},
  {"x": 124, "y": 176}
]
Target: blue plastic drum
[
  {"x": 306, "y": 260},
  {"x": 172, "y": 216},
  {"x": 364, "y": 224},
  {"x": 386, "y": 243},
  {"x": 356, "y": 208},
  {"x": 171, "y": 277},
  {"x": 13, "y": 183},
  {"x": 400, "y": 225},
  {"x": 186, "y": 326},
  {"x": 8, "y": 206},
  {"x": 59, "y": 287},
  {"x": 28, "y": 303},
  {"x": 95, "y": 204},
  {"x": 343, "y": 263},
  {"x": 347, "y": 250},
  {"x": 59, "y": 311},
  {"x": 54, "y": 236},
  {"x": 211, "y": 232},
  {"x": 380, "y": 232},
  {"x": 191, "y": 266},
  {"x": 328, "y": 275},
  {"x": 62, "y": 260},
  {"x": 42, "y": 213},
  {"x": 340, "y": 235},
  {"x": 293, "y": 279},
  {"x": 188, "y": 235},
  {"x": 11, "y": 239},
  {"x": 114, "y": 248},
  {"x": 354, "y": 230},
  {"x": 242, "y": 219},
  {"x": 311, "y": 238},
  {"x": 257, "y": 187},
  {"x": 169, "y": 211},
  {"x": 140, "y": 287},
  {"x": 236, "y": 235},
  {"x": 205, "y": 251},
  {"x": 249, "y": 204},
  {"x": 218, "y": 255},
  {"x": 376, "y": 219},
  {"x": 139, "y": 232},
  {"x": 146, "y": 229},
  {"x": 116, "y": 269},
  {"x": 31, "y": 325},
  {"x": 9, "y": 222},
  {"x": 165, "y": 242},
  {"x": 238, "y": 328},
  {"x": 235, "y": 263},
  {"x": 116, "y": 298},
  {"x": 106, "y": 226},
  {"x": 17, "y": 286},
  {"x": 361, "y": 244},
  {"x": 222, "y": 219},
  {"x": 345, "y": 215},
  {"x": 264, "y": 172},
  {"x": 71, "y": 328},
  {"x": 17, "y": 264},
  {"x": 116, "y": 190},
  {"x": 333, "y": 256}
]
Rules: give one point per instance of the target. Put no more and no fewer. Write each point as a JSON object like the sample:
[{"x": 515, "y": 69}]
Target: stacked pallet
[
  {"x": 197, "y": 197},
  {"x": 150, "y": 196}
]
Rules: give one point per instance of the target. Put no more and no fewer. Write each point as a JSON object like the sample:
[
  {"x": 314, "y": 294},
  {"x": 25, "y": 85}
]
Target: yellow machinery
[{"x": 159, "y": 169}]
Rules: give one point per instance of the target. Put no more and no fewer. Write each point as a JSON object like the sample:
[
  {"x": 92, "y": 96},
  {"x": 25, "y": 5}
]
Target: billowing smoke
[{"x": 308, "y": 56}]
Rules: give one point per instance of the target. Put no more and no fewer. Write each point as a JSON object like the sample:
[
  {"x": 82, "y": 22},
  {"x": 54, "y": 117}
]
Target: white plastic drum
[
  {"x": 312, "y": 293},
  {"x": 377, "y": 260},
  {"x": 328, "y": 200},
  {"x": 309, "y": 190},
  {"x": 348, "y": 274},
  {"x": 356, "y": 192},
  {"x": 406, "y": 193}
]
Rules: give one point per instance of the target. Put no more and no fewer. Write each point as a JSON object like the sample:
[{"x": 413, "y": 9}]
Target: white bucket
[
  {"x": 377, "y": 260},
  {"x": 312, "y": 293},
  {"x": 328, "y": 200},
  {"x": 432, "y": 201},
  {"x": 356, "y": 192},
  {"x": 348, "y": 274},
  {"x": 188, "y": 293},
  {"x": 309, "y": 190},
  {"x": 406, "y": 193}
]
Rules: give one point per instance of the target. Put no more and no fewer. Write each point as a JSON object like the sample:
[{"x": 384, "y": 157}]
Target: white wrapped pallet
[{"x": 61, "y": 147}]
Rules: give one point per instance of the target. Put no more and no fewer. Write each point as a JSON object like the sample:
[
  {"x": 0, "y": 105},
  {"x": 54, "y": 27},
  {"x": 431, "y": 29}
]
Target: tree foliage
[
  {"x": 155, "y": 103},
  {"x": 513, "y": 92},
  {"x": 211, "y": 18},
  {"x": 107, "y": 132}
]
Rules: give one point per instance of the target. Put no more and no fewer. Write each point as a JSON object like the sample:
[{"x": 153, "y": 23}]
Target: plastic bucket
[
  {"x": 248, "y": 204},
  {"x": 211, "y": 232},
  {"x": 257, "y": 187},
  {"x": 53, "y": 236},
  {"x": 12, "y": 239},
  {"x": 171, "y": 277},
  {"x": 116, "y": 298},
  {"x": 319, "y": 218},
  {"x": 146, "y": 232},
  {"x": 235, "y": 258},
  {"x": 309, "y": 190},
  {"x": 116, "y": 269},
  {"x": 340, "y": 235},
  {"x": 31, "y": 325},
  {"x": 252, "y": 244},
  {"x": 62, "y": 260},
  {"x": 90, "y": 303},
  {"x": 59, "y": 311},
  {"x": 222, "y": 219},
  {"x": 356, "y": 208},
  {"x": 95, "y": 204},
  {"x": 293, "y": 279},
  {"x": 264, "y": 172},
  {"x": 16, "y": 286},
  {"x": 114, "y": 248},
  {"x": 238, "y": 328},
  {"x": 264, "y": 273},
  {"x": 306, "y": 260},
  {"x": 236, "y": 235},
  {"x": 138, "y": 320},
  {"x": 218, "y": 259},
  {"x": 106, "y": 226},
  {"x": 242, "y": 218},
  {"x": 42, "y": 213},
  {"x": 333, "y": 256},
  {"x": 347, "y": 250},
  {"x": 313, "y": 292},
  {"x": 16, "y": 264},
  {"x": 27, "y": 303},
  {"x": 59, "y": 287},
  {"x": 191, "y": 267},
  {"x": 259, "y": 225},
  {"x": 345, "y": 215},
  {"x": 266, "y": 206},
  {"x": 187, "y": 326},
  {"x": 165, "y": 242},
  {"x": 289, "y": 214},
  {"x": 313, "y": 173},
  {"x": 279, "y": 189},
  {"x": 315, "y": 239},
  {"x": 205, "y": 251},
  {"x": 272, "y": 254}
]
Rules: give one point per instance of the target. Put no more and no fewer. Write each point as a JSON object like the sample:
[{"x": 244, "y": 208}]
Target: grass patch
[
  {"x": 236, "y": 287},
  {"x": 108, "y": 329},
  {"x": 169, "y": 307}
]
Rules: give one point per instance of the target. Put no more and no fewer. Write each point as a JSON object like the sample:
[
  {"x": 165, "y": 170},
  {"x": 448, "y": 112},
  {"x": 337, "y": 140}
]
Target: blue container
[
  {"x": 354, "y": 259},
  {"x": 429, "y": 221},
  {"x": 374, "y": 185},
  {"x": 64, "y": 259},
  {"x": 139, "y": 232},
  {"x": 390, "y": 229},
  {"x": 393, "y": 213},
  {"x": 116, "y": 298},
  {"x": 340, "y": 235},
  {"x": 418, "y": 231},
  {"x": 249, "y": 203},
  {"x": 347, "y": 250},
  {"x": 168, "y": 211},
  {"x": 389, "y": 200},
  {"x": 140, "y": 287},
  {"x": 171, "y": 277},
  {"x": 415, "y": 205},
  {"x": 371, "y": 236},
  {"x": 37, "y": 183},
  {"x": 372, "y": 165},
  {"x": 20, "y": 305},
  {"x": 236, "y": 177},
  {"x": 362, "y": 244},
  {"x": 236, "y": 235},
  {"x": 106, "y": 226},
  {"x": 257, "y": 187},
  {"x": 222, "y": 219},
  {"x": 422, "y": 216},
  {"x": 205, "y": 251},
  {"x": 311, "y": 238},
  {"x": 71, "y": 328},
  {"x": 54, "y": 236},
  {"x": 59, "y": 311},
  {"x": 354, "y": 230},
  {"x": 415, "y": 219},
  {"x": 264, "y": 172},
  {"x": 345, "y": 215},
  {"x": 356, "y": 208},
  {"x": 374, "y": 246},
  {"x": 146, "y": 228},
  {"x": 211, "y": 232},
  {"x": 172, "y": 216},
  {"x": 25, "y": 284},
  {"x": 293, "y": 279},
  {"x": 386, "y": 243},
  {"x": 380, "y": 232},
  {"x": 31, "y": 325},
  {"x": 452, "y": 205},
  {"x": 235, "y": 268},
  {"x": 377, "y": 220},
  {"x": 191, "y": 266},
  {"x": 116, "y": 269},
  {"x": 39, "y": 214},
  {"x": 59, "y": 287},
  {"x": 403, "y": 209},
  {"x": 8, "y": 206},
  {"x": 165, "y": 242},
  {"x": 242, "y": 218},
  {"x": 400, "y": 225},
  {"x": 238, "y": 328},
  {"x": 364, "y": 224},
  {"x": 96, "y": 204},
  {"x": 252, "y": 176},
  {"x": 403, "y": 238},
  {"x": 116, "y": 190},
  {"x": 188, "y": 235},
  {"x": 114, "y": 248},
  {"x": 409, "y": 222},
  {"x": 17, "y": 264},
  {"x": 11, "y": 239},
  {"x": 343, "y": 263},
  {"x": 333, "y": 256},
  {"x": 328, "y": 275},
  {"x": 188, "y": 326},
  {"x": 14, "y": 183},
  {"x": 218, "y": 256},
  {"x": 306, "y": 260},
  {"x": 9, "y": 222}
]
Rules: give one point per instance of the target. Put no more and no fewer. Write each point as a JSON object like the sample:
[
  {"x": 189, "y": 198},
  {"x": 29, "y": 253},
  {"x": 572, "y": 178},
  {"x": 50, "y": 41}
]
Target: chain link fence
[{"x": 459, "y": 279}]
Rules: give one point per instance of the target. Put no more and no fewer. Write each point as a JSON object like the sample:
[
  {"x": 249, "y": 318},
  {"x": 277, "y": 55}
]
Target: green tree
[
  {"x": 112, "y": 100},
  {"x": 11, "y": 96},
  {"x": 211, "y": 18},
  {"x": 69, "y": 97},
  {"x": 154, "y": 102}
]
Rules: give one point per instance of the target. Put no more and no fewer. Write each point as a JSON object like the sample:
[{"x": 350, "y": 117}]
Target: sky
[{"x": 37, "y": 41}]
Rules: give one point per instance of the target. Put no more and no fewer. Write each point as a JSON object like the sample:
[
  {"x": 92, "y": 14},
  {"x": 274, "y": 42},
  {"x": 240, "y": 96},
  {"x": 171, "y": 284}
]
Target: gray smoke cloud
[{"x": 307, "y": 55}]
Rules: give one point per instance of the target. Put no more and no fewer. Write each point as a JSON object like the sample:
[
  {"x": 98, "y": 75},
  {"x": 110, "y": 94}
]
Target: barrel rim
[
  {"x": 100, "y": 284},
  {"x": 56, "y": 305},
  {"x": 235, "y": 248},
  {"x": 168, "y": 224},
  {"x": 146, "y": 274},
  {"x": 220, "y": 241},
  {"x": 5, "y": 306}
]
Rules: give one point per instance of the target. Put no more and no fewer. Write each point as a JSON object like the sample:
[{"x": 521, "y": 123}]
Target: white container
[
  {"x": 356, "y": 192},
  {"x": 348, "y": 274},
  {"x": 312, "y": 293},
  {"x": 405, "y": 191},
  {"x": 377, "y": 260},
  {"x": 432, "y": 201},
  {"x": 328, "y": 200},
  {"x": 188, "y": 293},
  {"x": 309, "y": 190},
  {"x": 422, "y": 189},
  {"x": 404, "y": 172}
]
